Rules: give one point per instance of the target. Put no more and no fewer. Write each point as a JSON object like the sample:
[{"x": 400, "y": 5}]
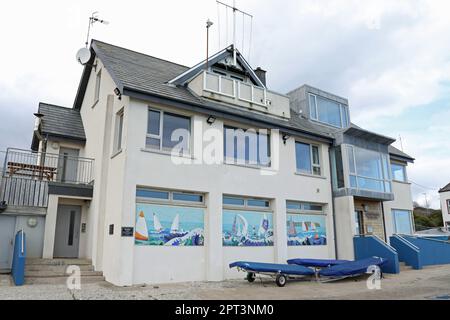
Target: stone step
[
  {"x": 404, "y": 267},
  {"x": 56, "y": 274},
  {"x": 55, "y": 268},
  {"x": 58, "y": 262},
  {"x": 60, "y": 280}
]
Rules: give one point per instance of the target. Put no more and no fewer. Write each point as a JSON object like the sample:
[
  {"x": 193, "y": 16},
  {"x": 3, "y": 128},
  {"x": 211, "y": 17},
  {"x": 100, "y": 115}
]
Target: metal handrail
[{"x": 47, "y": 153}]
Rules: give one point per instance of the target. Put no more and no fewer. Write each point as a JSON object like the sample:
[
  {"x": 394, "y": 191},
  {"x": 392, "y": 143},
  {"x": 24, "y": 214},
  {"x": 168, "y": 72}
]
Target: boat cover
[
  {"x": 287, "y": 269},
  {"x": 316, "y": 263},
  {"x": 352, "y": 267}
]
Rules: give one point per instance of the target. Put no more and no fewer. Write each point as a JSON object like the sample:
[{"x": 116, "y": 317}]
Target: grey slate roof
[
  {"x": 445, "y": 189},
  {"x": 396, "y": 152},
  {"x": 61, "y": 122},
  {"x": 145, "y": 76}
]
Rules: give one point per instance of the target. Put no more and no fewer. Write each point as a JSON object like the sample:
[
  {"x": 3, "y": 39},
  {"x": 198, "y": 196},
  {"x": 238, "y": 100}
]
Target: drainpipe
[
  {"x": 333, "y": 206},
  {"x": 384, "y": 222}
]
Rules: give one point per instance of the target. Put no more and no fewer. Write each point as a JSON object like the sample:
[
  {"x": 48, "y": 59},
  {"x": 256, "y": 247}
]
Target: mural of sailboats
[
  {"x": 175, "y": 231},
  {"x": 141, "y": 232},
  {"x": 156, "y": 223},
  {"x": 292, "y": 232},
  {"x": 264, "y": 225}
]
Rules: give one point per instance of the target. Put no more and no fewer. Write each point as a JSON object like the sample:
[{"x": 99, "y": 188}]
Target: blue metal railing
[
  {"x": 367, "y": 246},
  {"x": 407, "y": 252},
  {"x": 19, "y": 256}
]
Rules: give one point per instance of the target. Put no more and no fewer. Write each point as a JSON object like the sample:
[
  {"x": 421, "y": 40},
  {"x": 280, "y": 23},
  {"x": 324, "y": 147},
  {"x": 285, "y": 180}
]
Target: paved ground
[{"x": 429, "y": 283}]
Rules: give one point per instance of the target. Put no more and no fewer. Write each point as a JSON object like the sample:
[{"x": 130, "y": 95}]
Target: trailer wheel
[
  {"x": 251, "y": 276},
  {"x": 280, "y": 280}
]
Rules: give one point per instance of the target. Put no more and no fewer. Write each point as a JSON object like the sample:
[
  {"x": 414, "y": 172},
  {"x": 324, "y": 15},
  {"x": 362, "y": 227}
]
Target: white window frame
[
  {"x": 305, "y": 211},
  {"x": 161, "y": 126},
  {"x": 220, "y": 84},
  {"x": 246, "y": 207},
  {"x": 411, "y": 218},
  {"x": 405, "y": 176},
  {"x": 170, "y": 200},
  {"x": 313, "y": 165},
  {"x": 386, "y": 175},
  {"x": 118, "y": 136},
  {"x": 342, "y": 108},
  {"x": 448, "y": 206},
  {"x": 98, "y": 81}
]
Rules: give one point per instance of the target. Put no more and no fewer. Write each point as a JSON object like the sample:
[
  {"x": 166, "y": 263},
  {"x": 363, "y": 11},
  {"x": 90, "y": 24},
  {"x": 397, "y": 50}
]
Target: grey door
[
  {"x": 7, "y": 227},
  {"x": 68, "y": 165},
  {"x": 67, "y": 233}
]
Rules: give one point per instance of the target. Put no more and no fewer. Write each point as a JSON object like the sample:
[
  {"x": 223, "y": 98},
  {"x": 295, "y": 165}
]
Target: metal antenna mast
[
  {"x": 235, "y": 10},
  {"x": 93, "y": 19}
]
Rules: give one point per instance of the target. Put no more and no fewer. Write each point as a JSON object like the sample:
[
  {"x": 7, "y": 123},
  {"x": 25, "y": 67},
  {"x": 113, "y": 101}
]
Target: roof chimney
[{"x": 261, "y": 74}]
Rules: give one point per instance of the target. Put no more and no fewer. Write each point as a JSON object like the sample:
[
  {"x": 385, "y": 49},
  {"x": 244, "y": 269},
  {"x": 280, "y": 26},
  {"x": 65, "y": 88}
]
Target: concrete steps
[
  {"x": 53, "y": 271},
  {"x": 404, "y": 267}
]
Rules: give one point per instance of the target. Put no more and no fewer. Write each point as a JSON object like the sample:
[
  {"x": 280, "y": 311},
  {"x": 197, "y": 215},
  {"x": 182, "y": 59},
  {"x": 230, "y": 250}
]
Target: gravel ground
[{"x": 429, "y": 283}]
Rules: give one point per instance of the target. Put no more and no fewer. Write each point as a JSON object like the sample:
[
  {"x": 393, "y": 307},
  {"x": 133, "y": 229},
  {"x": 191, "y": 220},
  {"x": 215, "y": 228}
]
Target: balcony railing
[
  {"x": 48, "y": 167},
  {"x": 26, "y": 175}
]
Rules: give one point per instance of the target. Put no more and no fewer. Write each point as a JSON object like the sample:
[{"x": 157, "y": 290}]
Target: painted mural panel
[
  {"x": 306, "y": 230},
  {"x": 247, "y": 228},
  {"x": 162, "y": 225}
]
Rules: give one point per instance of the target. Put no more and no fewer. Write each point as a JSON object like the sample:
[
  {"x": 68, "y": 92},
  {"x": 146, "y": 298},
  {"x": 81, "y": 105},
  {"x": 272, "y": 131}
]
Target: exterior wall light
[
  {"x": 285, "y": 137},
  {"x": 211, "y": 120},
  {"x": 118, "y": 94}
]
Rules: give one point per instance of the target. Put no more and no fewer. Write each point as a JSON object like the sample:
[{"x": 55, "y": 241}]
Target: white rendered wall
[
  {"x": 153, "y": 264},
  {"x": 402, "y": 201},
  {"x": 445, "y": 211}
]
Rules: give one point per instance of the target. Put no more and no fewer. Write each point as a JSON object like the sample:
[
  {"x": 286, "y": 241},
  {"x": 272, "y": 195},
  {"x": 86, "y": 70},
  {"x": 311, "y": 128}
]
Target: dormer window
[{"x": 328, "y": 111}]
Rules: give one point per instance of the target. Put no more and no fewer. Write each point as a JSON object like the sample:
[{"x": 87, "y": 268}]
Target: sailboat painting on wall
[
  {"x": 160, "y": 225},
  {"x": 306, "y": 230},
  {"x": 247, "y": 229}
]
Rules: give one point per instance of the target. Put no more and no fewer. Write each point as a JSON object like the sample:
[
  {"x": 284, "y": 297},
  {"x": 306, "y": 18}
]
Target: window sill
[
  {"x": 167, "y": 153},
  {"x": 402, "y": 182},
  {"x": 249, "y": 166},
  {"x": 116, "y": 153},
  {"x": 310, "y": 175}
]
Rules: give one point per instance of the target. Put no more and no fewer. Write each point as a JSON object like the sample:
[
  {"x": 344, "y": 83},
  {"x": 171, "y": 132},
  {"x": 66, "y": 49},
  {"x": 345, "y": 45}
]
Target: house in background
[
  {"x": 102, "y": 182},
  {"x": 445, "y": 205}
]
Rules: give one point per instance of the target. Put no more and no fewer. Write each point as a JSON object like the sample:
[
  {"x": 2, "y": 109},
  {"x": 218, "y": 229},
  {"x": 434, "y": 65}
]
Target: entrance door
[
  {"x": 67, "y": 233},
  {"x": 7, "y": 227},
  {"x": 359, "y": 222},
  {"x": 68, "y": 165}
]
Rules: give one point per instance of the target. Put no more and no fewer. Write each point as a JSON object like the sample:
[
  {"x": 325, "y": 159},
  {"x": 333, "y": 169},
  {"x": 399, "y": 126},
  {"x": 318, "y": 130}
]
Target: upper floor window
[
  {"x": 307, "y": 158},
  {"x": 328, "y": 111},
  {"x": 448, "y": 206},
  {"x": 98, "y": 79},
  {"x": 247, "y": 147},
  {"x": 369, "y": 170},
  {"x": 398, "y": 172},
  {"x": 119, "y": 131},
  {"x": 166, "y": 131}
]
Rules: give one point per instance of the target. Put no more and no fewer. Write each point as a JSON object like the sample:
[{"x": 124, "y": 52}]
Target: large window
[
  {"x": 403, "y": 222},
  {"x": 247, "y": 147},
  {"x": 328, "y": 111},
  {"x": 169, "y": 218},
  {"x": 98, "y": 79},
  {"x": 306, "y": 224},
  {"x": 246, "y": 222},
  {"x": 448, "y": 206},
  {"x": 398, "y": 172},
  {"x": 119, "y": 131},
  {"x": 307, "y": 158},
  {"x": 369, "y": 170},
  {"x": 166, "y": 131}
]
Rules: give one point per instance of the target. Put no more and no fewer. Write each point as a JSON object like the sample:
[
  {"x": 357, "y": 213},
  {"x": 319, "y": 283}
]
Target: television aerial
[{"x": 84, "y": 54}]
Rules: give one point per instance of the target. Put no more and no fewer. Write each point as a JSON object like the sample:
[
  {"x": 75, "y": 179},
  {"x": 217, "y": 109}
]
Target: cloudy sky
[{"x": 391, "y": 59}]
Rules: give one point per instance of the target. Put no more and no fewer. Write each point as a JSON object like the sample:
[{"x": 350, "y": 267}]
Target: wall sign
[{"x": 127, "y": 231}]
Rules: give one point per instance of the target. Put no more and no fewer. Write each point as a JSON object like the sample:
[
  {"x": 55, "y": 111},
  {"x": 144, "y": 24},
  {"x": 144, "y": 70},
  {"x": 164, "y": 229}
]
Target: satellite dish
[{"x": 83, "y": 56}]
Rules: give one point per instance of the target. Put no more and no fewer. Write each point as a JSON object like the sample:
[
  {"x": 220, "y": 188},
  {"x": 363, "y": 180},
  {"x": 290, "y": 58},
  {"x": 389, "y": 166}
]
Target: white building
[
  {"x": 299, "y": 179},
  {"x": 445, "y": 205}
]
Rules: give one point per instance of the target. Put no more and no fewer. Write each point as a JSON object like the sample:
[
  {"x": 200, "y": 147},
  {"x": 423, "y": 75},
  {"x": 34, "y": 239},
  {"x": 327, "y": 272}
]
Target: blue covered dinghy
[
  {"x": 316, "y": 263},
  {"x": 352, "y": 268},
  {"x": 280, "y": 271}
]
